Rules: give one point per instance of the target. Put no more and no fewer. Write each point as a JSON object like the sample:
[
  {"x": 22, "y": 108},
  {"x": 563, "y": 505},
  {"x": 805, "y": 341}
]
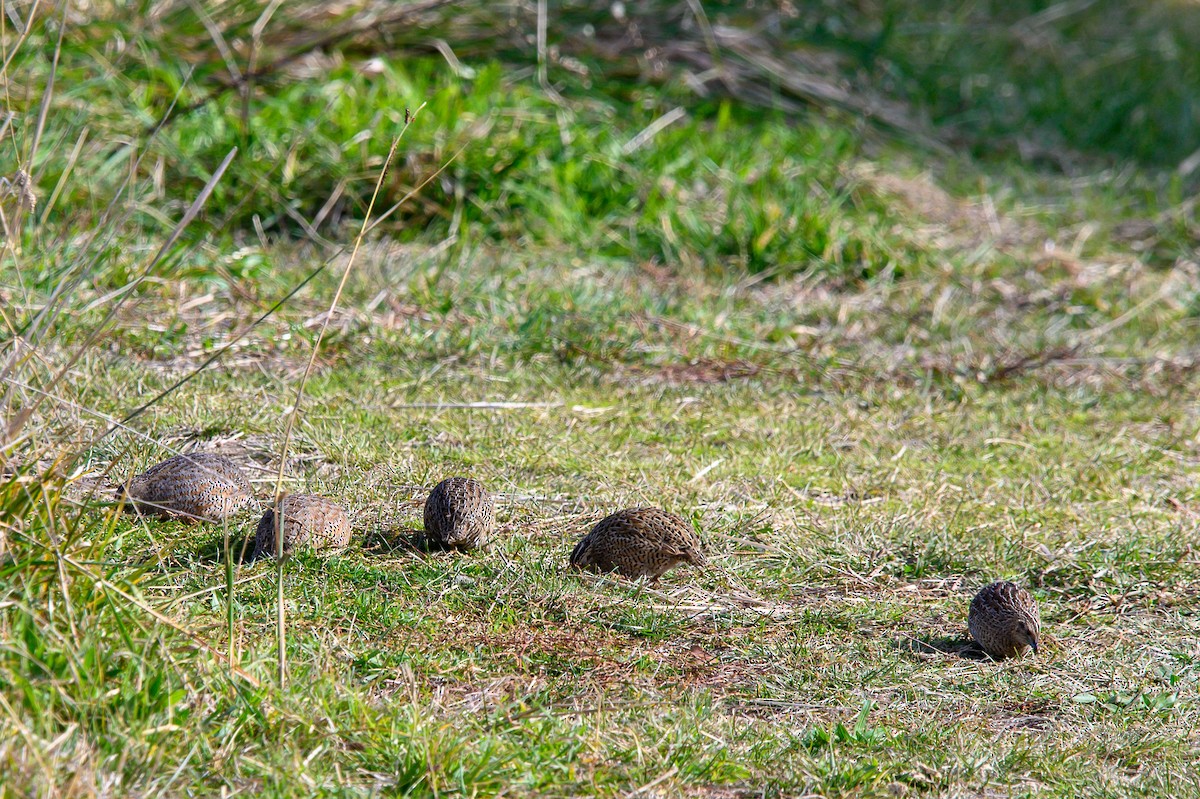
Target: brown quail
[
  {"x": 639, "y": 542},
  {"x": 459, "y": 514},
  {"x": 308, "y": 521},
  {"x": 198, "y": 486},
  {"x": 1004, "y": 620}
]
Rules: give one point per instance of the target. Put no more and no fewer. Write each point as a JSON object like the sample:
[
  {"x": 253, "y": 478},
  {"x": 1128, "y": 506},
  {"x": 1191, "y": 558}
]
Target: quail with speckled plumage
[
  {"x": 197, "y": 486},
  {"x": 459, "y": 514},
  {"x": 639, "y": 542},
  {"x": 1004, "y": 620},
  {"x": 308, "y": 521}
]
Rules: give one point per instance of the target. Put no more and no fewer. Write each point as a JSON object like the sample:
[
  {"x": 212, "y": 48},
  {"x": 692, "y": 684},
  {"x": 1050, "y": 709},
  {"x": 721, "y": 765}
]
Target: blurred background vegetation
[{"x": 754, "y": 110}]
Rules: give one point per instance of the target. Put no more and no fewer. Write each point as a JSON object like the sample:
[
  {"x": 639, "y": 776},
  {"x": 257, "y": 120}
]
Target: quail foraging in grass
[
  {"x": 197, "y": 486},
  {"x": 639, "y": 542},
  {"x": 1004, "y": 620},
  {"x": 308, "y": 521},
  {"x": 459, "y": 514}
]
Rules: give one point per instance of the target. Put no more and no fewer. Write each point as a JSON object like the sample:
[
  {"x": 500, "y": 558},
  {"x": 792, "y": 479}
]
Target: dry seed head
[{"x": 21, "y": 185}]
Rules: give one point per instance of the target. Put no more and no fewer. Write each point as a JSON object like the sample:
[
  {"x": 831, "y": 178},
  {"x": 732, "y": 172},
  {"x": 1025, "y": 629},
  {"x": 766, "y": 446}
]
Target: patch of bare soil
[
  {"x": 706, "y": 370},
  {"x": 1032, "y": 715},
  {"x": 951, "y": 221},
  {"x": 595, "y": 656},
  {"x": 698, "y": 371}
]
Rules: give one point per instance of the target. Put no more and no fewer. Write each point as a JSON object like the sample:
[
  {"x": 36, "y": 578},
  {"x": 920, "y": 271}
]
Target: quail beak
[{"x": 1034, "y": 644}]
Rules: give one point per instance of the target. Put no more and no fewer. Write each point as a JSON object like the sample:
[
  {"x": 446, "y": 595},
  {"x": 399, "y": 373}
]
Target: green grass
[
  {"x": 857, "y": 365},
  {"x": 858, "y": 508}
]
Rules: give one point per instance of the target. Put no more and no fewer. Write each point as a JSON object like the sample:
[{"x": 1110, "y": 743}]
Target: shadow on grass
[
  {"x": 946, "y": 645},
  {"x": 378, "y": 540},
  {"x": 213, "y": 550},
  {"x": 388, "y": 539}
]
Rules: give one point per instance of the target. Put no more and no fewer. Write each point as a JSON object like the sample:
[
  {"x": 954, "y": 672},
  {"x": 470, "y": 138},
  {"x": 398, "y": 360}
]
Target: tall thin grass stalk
[
  {"x": 63, "y": 179},
  {"x": 245, "y": 331},
  {"x": 229, "y": 578},
  {"x": 100, "y": 235},
  {"x": 48, "y": 92},
  {"x": 280, "y": 625},
  {"x": 8, "y": 57},
  {"x": 18, "y": 421},
  {"x": 30, "y": 742},
  {"x": 145, "y": 607}
]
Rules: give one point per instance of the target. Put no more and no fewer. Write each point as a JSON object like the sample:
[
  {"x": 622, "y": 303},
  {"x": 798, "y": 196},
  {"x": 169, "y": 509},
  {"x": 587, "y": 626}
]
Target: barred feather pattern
[
  {"x": 1004, "y": 620},
  {"x": 639, "y": 542},
  {"x": 307, "y": 521},
  {"x": 460, "y": 513},
  {"x": 197, "y": 486}
]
